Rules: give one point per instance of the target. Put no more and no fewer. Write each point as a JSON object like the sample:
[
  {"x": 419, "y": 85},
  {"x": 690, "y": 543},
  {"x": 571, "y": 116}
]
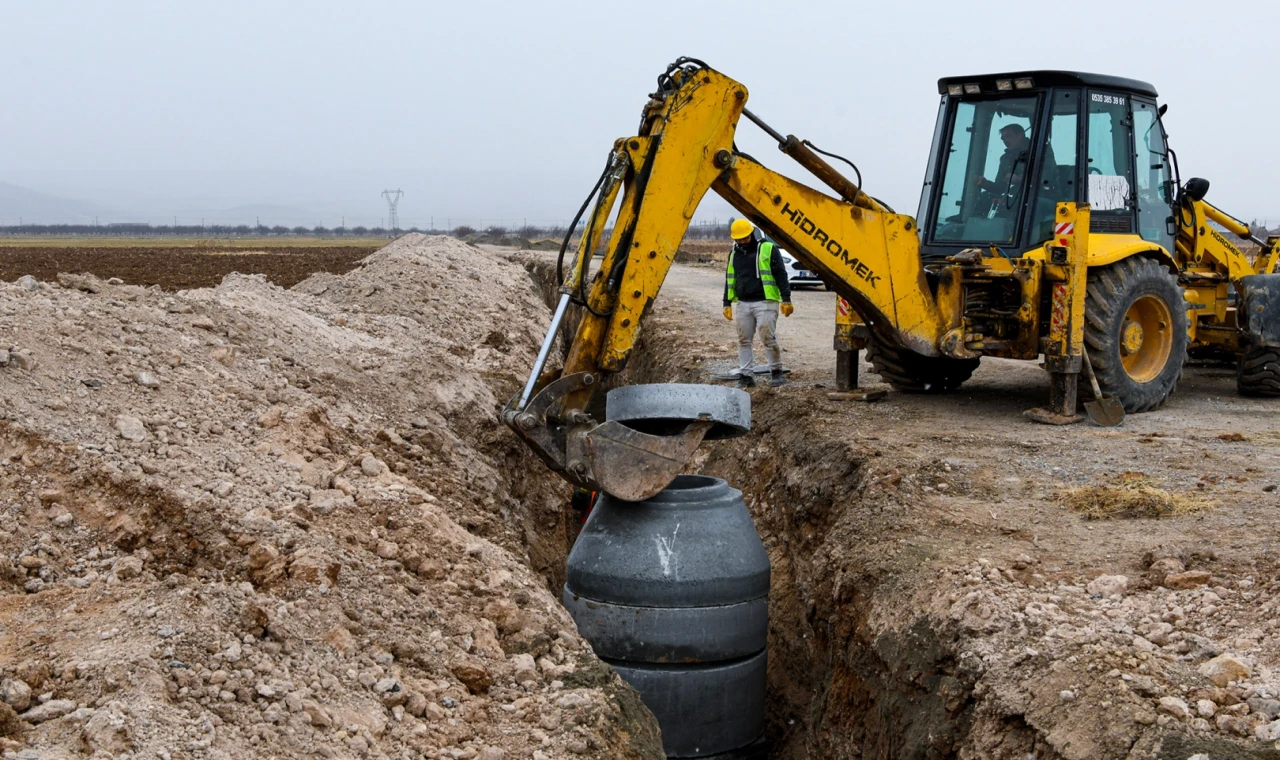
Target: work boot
[
  {"x": 777, "y": 378},
  {"x": 745, "y": 381}
]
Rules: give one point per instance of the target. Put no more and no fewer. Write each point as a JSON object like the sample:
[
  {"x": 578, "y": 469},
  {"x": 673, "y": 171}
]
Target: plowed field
[{"x": 180, "y": 268}]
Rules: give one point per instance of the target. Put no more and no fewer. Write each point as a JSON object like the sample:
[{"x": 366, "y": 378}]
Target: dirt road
[
  {"x": 989, "y": 406},
  {"x": 1193, "y": 443}
]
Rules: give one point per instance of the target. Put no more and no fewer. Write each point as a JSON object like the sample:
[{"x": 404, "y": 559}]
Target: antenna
[{"x": 393, "y": 200}]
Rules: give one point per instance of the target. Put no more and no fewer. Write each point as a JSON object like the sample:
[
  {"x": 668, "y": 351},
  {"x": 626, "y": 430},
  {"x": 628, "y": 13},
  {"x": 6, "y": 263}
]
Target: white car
[{"x": 797, "y": 273}]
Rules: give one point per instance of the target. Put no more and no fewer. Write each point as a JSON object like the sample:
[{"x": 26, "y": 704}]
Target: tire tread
[
  {"x": 910, "y": 372},
  {"x": 1258, "y": 374},
  {"x": 1109, "y": 293}
]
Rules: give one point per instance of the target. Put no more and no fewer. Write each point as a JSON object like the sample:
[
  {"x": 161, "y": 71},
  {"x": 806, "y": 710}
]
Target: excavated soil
[
  {"x": 245, "y": 521},
  {"x": 179, "y": 268}
]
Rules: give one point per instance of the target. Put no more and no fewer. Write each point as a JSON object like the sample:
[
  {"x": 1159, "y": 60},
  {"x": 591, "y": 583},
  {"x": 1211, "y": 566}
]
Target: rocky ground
[
  {"x": 935, "y": 594},
  {"x": 245, "y": 521}
]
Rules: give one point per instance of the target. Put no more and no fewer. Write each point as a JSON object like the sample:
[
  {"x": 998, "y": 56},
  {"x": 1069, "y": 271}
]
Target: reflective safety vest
[{"x": 764, "y": 271}]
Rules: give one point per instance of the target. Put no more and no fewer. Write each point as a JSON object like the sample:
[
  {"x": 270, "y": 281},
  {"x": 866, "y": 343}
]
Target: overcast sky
[{"x": 485, "y": 111}]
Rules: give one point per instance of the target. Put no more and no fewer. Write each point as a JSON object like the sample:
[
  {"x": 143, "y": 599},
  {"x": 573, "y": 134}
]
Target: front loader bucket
[{"x": 1260, "y": 308}]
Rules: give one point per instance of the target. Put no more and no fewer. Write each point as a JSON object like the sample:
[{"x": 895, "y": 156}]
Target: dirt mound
[
  {"x": 506, "y": 241},
  {"x": 251, "y": 522}
]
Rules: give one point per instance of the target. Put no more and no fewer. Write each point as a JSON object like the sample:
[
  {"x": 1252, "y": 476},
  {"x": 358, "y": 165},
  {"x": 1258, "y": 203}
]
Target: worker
[
  {"x": 756, "y": 288},
  {"x": 1017, "y": 150}
]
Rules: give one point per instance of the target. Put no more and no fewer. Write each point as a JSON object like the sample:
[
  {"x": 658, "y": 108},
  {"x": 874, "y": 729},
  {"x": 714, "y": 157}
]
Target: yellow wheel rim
[{"x": 1146, "y": 339}]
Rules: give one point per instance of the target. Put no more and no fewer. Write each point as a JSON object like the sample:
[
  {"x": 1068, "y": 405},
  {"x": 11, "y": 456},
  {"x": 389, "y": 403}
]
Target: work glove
[
  {"x": 787, "y": 308},
  {"x": 728, "y": 313}
]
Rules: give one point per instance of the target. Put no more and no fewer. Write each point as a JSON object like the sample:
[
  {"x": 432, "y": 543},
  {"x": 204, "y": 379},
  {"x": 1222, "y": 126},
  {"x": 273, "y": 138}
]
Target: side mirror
[
  {"x": 1160, "y": 112},
  {"x": 1196, "y": 188}
]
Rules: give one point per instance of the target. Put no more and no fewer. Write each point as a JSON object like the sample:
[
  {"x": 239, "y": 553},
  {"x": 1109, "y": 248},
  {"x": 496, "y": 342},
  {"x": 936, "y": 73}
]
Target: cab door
[
  {"x": 1155, "y": 199},
  {"x": 1059, "y": 177},
  {"x": 1109, "y": 163}
]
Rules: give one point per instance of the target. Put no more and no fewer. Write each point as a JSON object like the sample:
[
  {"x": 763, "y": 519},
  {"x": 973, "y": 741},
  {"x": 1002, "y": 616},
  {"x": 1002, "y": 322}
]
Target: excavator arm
[
  {"x": 870, "y": 255},
  {"x": 657, "y": 179}
]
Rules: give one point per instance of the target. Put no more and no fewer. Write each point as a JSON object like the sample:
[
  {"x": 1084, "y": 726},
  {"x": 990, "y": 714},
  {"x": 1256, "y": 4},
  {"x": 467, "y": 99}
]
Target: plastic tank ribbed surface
[{"x": 673, "y": 592}]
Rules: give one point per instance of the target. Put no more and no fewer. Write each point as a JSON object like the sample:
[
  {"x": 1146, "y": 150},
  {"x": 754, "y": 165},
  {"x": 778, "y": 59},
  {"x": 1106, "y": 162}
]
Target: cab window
[
  {"x": 987, "y": 154},
  {"x": 1110, "y": 162},
  {"x": 926, "y": 195},
  {"x": 1154, "y": 203},
  {"x": 1058, "y": 176}
]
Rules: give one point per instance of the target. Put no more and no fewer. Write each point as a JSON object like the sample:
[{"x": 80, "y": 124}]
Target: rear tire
[
  {"x": 910, "y": 372},
  {"x": 1135, "y": 331},
  {"x": 1258, "y": 373}
]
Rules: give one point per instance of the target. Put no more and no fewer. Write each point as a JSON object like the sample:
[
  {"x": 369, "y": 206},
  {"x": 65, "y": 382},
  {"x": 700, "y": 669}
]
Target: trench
[
  {"x": 870, "y": 652},
  {"x": 840, "y": 685}
]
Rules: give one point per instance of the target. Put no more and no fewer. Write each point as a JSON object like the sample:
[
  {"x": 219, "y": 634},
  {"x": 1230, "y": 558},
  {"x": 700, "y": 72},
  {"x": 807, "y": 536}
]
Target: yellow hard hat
[{"x": 741, "y": 228}]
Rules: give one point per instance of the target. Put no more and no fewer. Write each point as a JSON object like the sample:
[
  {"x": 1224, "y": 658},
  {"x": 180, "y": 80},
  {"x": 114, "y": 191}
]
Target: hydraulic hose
[{"x": 568, "y": 235}]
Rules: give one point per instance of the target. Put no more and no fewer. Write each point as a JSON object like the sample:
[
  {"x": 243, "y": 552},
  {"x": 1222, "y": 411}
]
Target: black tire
[
  {"x": 1258, "y": 373},
  {"x": 910, "y": 372},
  {"x": 1141, "y": 372}
]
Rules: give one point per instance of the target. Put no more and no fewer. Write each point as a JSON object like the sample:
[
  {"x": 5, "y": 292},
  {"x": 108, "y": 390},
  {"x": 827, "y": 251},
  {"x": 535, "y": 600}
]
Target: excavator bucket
[
  {"x": 1261, "y": 308},
  {"x": 648, "y": 438},
  {"x": 653, "y": 430},
  {"x": 634, "y": 466}
]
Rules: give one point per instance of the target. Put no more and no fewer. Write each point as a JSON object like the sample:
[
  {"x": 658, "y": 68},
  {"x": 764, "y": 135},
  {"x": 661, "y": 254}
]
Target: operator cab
[{"x": 1008, "y": 147}]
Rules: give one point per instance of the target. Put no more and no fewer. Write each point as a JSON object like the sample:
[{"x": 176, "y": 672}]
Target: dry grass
[{"x": 1136, "y": 495}]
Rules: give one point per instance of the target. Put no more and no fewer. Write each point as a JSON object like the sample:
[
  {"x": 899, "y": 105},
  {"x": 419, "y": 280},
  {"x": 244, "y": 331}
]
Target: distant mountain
[
  {"x": 19, "y": 204},
  {"x": 269, "y": 214},
  {"x": 23, "y": 205}
]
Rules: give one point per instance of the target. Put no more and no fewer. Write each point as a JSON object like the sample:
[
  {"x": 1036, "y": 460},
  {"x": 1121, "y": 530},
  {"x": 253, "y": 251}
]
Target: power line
[{"x": 393, "y": 200}]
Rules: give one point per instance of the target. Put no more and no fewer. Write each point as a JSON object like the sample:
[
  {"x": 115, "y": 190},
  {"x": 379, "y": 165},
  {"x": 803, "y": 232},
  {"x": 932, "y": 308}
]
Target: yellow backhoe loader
[{"x": 1052, "y": 224}]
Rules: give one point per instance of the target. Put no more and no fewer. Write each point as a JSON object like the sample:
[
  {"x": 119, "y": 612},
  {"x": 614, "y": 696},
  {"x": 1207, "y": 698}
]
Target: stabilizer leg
[{"x": 851, "y": 335}]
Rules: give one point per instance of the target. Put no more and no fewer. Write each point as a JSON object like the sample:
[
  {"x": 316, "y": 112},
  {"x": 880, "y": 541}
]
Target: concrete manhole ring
[{"x": 666, "y": 408}]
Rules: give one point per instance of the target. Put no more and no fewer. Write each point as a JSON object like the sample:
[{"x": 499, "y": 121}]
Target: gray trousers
[{"x": 749, "y": 316}]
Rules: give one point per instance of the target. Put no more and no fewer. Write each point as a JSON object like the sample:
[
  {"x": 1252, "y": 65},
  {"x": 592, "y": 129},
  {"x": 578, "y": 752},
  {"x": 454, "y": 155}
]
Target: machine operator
[{"x": 1017, "y": 149}]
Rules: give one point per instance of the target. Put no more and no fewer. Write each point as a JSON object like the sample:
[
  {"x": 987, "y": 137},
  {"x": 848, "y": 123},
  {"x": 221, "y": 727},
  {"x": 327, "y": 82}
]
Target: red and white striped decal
[
  {"x": 1062, "y": 229},
  {"x": 842, "y": 307},
  {"x": 1058, "y": 320}
]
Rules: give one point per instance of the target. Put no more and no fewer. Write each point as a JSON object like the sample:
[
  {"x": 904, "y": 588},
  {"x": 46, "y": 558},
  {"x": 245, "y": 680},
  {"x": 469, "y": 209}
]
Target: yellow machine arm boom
[
  {"x": 870, "y": 254},
  {"x": 657, "y": 179}
]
